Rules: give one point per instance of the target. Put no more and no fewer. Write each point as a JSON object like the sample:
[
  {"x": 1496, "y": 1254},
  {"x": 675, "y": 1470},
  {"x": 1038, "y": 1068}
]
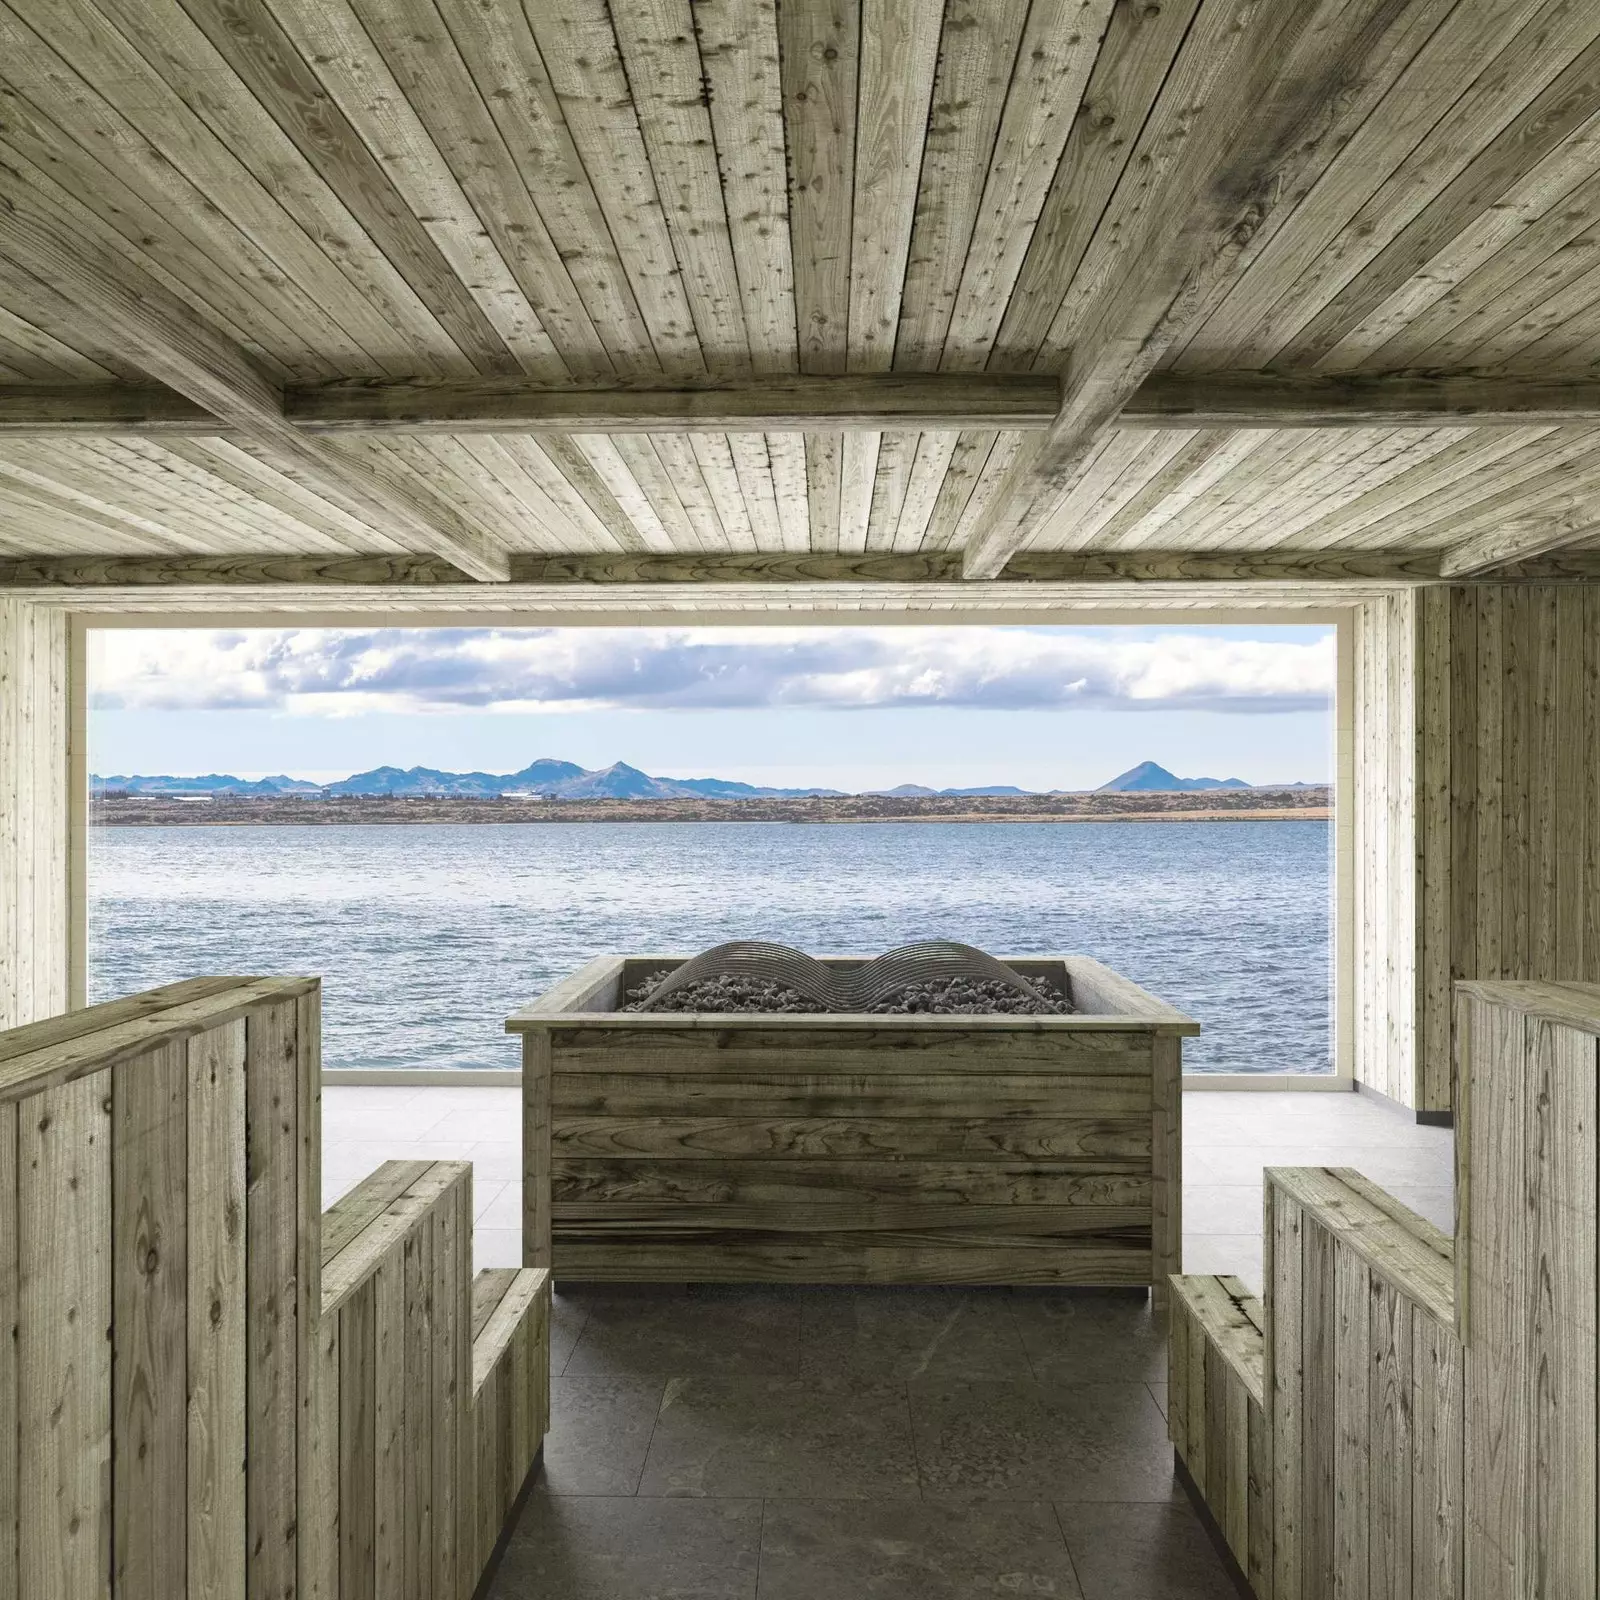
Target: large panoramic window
[{"x": 441, "y": 823}]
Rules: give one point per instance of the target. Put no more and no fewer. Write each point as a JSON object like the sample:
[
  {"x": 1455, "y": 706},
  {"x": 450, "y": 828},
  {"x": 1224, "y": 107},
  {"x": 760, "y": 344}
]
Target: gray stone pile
[{"x": 949, "y": 997}]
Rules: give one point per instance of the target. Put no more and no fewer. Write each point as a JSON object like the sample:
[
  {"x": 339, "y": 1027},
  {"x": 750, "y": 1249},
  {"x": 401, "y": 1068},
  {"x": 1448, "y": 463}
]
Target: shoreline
[{"x": 1284, "y": 814}]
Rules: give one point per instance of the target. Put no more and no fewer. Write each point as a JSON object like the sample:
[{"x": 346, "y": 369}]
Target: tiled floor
[{"x": 888, "y": 1444}]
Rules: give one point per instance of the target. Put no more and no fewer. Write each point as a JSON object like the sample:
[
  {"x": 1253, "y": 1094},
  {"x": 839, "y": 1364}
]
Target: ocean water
[{"x": 426, "y": 937}]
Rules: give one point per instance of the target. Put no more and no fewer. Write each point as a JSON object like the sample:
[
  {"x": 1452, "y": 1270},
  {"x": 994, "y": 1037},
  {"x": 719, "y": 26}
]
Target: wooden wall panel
[
  {"x": 1477, "y": 812},
  {"x": 34, "y": 831},
  {"x": 1530, "y": 1288}
]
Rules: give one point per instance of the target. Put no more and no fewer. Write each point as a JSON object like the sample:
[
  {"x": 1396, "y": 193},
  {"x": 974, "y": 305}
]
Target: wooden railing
[{"x": 214, "y": 1390}]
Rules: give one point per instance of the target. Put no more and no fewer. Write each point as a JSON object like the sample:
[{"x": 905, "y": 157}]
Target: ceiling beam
[
  {"x": 153, "y": 330},
  {"x": 1356, "y": 400},
  {"x": 1518, "y": 542},
  {"x": 1156, "y": 568},
  {"x": 773, "y": 404},
  {"x": 1255, "y": 108},
  {"x": 873, "y": 402}
]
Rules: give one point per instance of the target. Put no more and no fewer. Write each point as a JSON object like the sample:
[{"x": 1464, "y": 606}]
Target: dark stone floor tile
[
  {"x": 805, "y": 1438},
  {"x": 600, "y": 1430},
  {"x": 567, "y": 1317},
  {"x": 1039, "y": 1441},
  {"x": 1144, "y": 1552},
  {"x": 599, "y": 1548},
  {"x": 699, "y": 1332},
  {"x": 892, "y": 1333},
  {"x": 906, "y": 1550},
  {"x": 1090, "y": 1335}
]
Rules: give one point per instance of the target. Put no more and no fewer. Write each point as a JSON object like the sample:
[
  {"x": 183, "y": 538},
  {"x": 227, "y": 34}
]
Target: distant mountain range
[{"x": 565, "y": 780}]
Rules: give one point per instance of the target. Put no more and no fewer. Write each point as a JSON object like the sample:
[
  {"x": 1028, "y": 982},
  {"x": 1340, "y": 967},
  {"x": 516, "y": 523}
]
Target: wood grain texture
[{"x": 827, "y": 1150}]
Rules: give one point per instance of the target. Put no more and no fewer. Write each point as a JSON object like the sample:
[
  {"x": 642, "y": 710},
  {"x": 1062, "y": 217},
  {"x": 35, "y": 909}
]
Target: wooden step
[
  {"x": 510, "y": 1389},
  {"x": 1215, "y": 1417}
]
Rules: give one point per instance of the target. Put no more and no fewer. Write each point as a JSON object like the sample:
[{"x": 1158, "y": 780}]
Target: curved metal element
[{"x": 932, "y": 961}]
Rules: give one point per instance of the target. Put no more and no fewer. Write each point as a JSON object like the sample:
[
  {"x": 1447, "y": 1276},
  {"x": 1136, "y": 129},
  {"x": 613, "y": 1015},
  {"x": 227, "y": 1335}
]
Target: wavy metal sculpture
[{"x": 932, "y": 961}]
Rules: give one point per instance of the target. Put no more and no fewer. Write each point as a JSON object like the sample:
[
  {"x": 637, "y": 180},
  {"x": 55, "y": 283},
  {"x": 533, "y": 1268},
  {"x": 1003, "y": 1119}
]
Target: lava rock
[{"x": 950, "y": 997}]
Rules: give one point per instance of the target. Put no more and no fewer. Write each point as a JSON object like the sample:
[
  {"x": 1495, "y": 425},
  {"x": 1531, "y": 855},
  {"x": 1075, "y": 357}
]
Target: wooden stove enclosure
[{"x": 853, "y": 1149}]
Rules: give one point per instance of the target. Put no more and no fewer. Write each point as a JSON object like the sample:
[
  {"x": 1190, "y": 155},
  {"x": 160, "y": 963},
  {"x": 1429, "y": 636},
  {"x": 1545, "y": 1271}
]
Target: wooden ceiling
[{"x": 1076, "y": 281}]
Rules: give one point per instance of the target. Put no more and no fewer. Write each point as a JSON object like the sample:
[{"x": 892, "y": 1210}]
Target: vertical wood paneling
[
  {"x": 1389, "y": 1444},
  {"x": 1284, "y": 1386},
  {"x": 1166, "y": 1163},
  {"x": 1319, "y": 1424},
  {"x": 1478, "y": 812},
  {"x": 149, "y": 1310},
  {"x": 1436, "y": 1505},
  {"x": 536, "y": 1122},
  {"x": 357, "y": 1443},
  {"x": 9, "y": 1316},
  {"x": 389, "y": 1441},
  {"x": 63, "y": 1355},
  {"x": 34, "y": 823},
  {"x": 216, "y": 1309},
  {"x": 272, "y": 1375}
]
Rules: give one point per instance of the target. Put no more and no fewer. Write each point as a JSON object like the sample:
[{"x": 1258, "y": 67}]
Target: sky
[{"x": 849, "y": 708}]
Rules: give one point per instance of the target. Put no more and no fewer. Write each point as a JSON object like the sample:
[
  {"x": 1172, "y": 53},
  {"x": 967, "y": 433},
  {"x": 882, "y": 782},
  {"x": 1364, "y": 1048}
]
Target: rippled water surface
[{"x": 427, "y": 936}]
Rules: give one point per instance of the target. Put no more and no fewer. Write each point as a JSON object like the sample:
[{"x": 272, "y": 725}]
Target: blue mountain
[{"x": 1148, "y": 776}]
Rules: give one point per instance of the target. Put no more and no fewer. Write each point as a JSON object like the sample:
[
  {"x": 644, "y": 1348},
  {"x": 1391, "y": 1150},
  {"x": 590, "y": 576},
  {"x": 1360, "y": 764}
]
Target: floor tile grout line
[
  {"x": 1016, "y": 1324},
  {"x": 761, "y": 1546},
  {"x": 1066, "y": 1544},
  {"x": 649, "y": 1444},
  {"x": 911, "y": 1433}
]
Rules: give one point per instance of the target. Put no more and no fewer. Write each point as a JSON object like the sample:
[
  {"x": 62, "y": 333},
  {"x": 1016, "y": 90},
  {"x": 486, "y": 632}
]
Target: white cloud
[{"x": 340, "y": 672}]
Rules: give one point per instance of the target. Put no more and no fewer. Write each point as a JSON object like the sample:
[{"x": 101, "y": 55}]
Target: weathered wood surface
[
  {"x": 1363, "y": 1386},
  {"x": 210, "y": 1393},
  {"x": 1386, "y": 205},
  {"x": 831, "y": 1149},
  {"x": 1527, "y": 1286},
  {"x": 1477, "y": 830},
  {"x": 1216, "y": 1416}
]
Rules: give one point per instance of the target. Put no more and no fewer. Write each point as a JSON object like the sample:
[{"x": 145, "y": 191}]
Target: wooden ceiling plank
[
  {"x": 1403, "y": 451},
  {"x": 819, "y": 48},
  {"x": 894, "y": 86},
  {"x": 46, "y": 485},
  {"x": 393, "y": 322},
  {"x": 1543, "y": 151},
  {"x": 171, "y": 158},
  {"x": 721, "y": 478},
  {"x": 236, "y": 462},
  {"x": 567, "y": 476},
  {"x": 86, "y": 198},
  {"x": 32, "y": 355},
  {"x": 597, "y": 474},
  {"x": 175, "y": 481},
  {"x": 38, "y": 525},
  {"x": 1503, "y": 228},
  {"x": 1389, "y": 504},
  {"x": 786, "y": 455},
  {"x": 1518, "y": 541},
  {"x": 740, "y": 59},
  {"x": 579, "y": 51},
  {"x": 1256, "y": 100},
  {"x": 645, "y": 487},
  {"x": 892, "y": 470},
  {"x": 365, "y": 115},
  {"x": 1487, "y": 505},
  {"x": 1043, "y": 103},
  {"x": 258, "y": 50},
  {"x": 752, "y": 461},
  {"x": 456, "y": 166},
  {"x": 1135, "y": 56},
  {"x": 1518, "y": 295},
  {"x": 1117, "y": 458},
  {"x": 1152, "y": 458},
  {"x": 1437, "y": 47},
  {"x": 161, "y": 335},
  {"x": 1462, "y": 166},
  {"x": 1166, "y": 499},
  {"x": 1356, "y": 400},
  {"x": 1565, "y": 345}
]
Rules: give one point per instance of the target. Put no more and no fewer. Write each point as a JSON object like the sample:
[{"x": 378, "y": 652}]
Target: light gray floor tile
[
  {"x": 1144, "y": 1552},
  {"x": 1222, "y": 1208},
  {"x": 1437, "y": 1205},
  {"x": 706, "y": 1333},
  {"x": 496, "y": 1247},
  {"x": 1089, "y": 1335},
  {"x": 599, "y": 1548},
  {"x": 600, "y": 1430},
  {"x": 1035, "y": 1441},
  {"x": 891, "y": 1333},
  {"x": 504, "y": 1208},
  {"x": 800, "y": 1438},
  {"x": 497, "y": 1158},
  {"x": 1235, "y": 1253},
  {"x": 903, "y": 1550}
]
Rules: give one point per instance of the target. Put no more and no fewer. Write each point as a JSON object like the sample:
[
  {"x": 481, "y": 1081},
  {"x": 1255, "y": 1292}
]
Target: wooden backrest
[{"x": 158, "y": 1164}]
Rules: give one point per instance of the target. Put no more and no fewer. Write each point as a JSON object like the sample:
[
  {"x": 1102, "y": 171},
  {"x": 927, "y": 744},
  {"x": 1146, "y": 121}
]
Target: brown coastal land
[{"x": 1211, "y": 805}]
